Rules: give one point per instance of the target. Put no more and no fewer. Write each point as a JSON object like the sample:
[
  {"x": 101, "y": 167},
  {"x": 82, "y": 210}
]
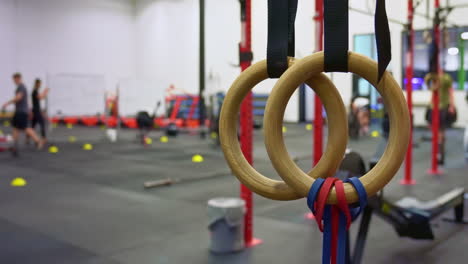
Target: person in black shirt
[{"x": 37, "y": 116}]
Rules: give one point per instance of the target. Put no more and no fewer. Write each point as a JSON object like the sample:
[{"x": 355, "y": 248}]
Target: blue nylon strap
[
  {"x": 327, "y": 235},
  {"x": 313, "y": 193},
  {"x": 357, "y": 184},
  {"x": 355, "y": 212}
]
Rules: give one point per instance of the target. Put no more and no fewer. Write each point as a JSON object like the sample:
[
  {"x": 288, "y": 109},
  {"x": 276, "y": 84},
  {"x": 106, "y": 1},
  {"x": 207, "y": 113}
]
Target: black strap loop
[
  {"x": 382, "y": 35},
  {"x": 281, "y": 35},
  {"x": 336, "y": 31}
]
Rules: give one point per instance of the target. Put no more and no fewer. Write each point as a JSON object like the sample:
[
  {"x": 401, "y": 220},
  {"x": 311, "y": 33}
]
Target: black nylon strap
[
  {"x": 336, "y": 31},
  {"x": 281, "y": 37},
  {"x": 382, "y": 35},
  {"x": 292, "y": 29}
]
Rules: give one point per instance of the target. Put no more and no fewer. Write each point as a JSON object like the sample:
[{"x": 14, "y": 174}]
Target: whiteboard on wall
[
  {"x": 140, "y": 95},
  {"x": 76, "y": 94}
]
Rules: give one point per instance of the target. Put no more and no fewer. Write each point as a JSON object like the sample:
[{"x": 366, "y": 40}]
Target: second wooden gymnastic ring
[
  {"x": 278, "y": 190},
  {"x": 394, "y": 102}
]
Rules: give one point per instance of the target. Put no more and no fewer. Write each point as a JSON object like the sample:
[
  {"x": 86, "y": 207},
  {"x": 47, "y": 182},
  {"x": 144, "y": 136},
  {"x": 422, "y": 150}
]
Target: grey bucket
[{"x": 226, "y": 225}]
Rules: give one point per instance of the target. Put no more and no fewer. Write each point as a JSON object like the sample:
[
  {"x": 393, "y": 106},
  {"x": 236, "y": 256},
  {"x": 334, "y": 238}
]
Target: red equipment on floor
[
  {"x": 90, "y": 120},
  {"x": 182, "y": 111},
  {"x": 71, "y": 120}
]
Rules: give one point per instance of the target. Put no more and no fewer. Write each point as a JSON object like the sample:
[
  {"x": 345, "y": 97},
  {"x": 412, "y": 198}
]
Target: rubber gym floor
[{"x": 90, "y": 207}]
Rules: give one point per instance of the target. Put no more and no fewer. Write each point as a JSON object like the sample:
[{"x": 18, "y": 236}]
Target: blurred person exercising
[
  {"x": 20, "y": 120},
  {"x": 37, "y": 116}
]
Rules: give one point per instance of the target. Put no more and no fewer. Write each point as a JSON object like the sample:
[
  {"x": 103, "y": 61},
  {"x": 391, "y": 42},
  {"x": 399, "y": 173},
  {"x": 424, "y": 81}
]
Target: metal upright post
[
  {"x": 318, "y": 119},
  {"x": 201, "y": 94},
  {"x": 408, "y": 180},
  {"x": 434, "y": 170},
  {"x": 246, "y": 118}
]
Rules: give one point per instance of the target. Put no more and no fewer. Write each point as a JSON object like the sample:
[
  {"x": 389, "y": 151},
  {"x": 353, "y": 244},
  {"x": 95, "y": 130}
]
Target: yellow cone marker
[
  {"x": 53, "y": 149},
  {"x": 69, "y": 126},
  {"x": 164, "y": 139},
  {"x": 386, "y": 208},
  {"x": 148, "y": 141},
  {"x": 309, "y": 127},
  {"x": 375, "y": 134},
  {"x": 285, "y": 129},
  {"x": 6, "y": 123},
  {"x": 197, "y": 159},
  {"x": 214, "y": 135},
  {"x": 18, "y": 182},
  {"x": 103, "y": 127},
  {"x": 88, "y": 147},
  {"x": 71, "y": 139},
  {"x": 1, "y": 133},
  {"x": 54, "y": 125}
]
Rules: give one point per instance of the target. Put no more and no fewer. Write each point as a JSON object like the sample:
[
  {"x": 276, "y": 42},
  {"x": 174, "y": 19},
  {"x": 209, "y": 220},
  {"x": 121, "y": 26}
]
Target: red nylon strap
[
  {"x": 322, "y": 200},
  {"x": 342, "y": 203}
]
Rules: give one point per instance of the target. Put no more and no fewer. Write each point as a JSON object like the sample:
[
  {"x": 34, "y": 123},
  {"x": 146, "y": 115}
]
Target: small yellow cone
[
  {"x": 54, "y": 125},
  {"x": 6, "y": 124},
  {"x": 18, "y": 182},
  {"x": 88, "y": 147},
  {"x": 386, "y": 208},
  {"x": 71, "y": 139},
  {"x": 1, "y": 133},
  {"x": 148, "y": 141},
  {"x": 164, "y": 139},
  {"x": 309, "y": 127},
  {"x": 69, "y": 126},
  {"x": 53, "y": 149},
  {"x": 103, "y": 127},
  {"x": 375, "y": 134},
  {"x": 214, "y": 135},
  {"x": 285, "y": 129},
  {"x": 197, "y": 159}
]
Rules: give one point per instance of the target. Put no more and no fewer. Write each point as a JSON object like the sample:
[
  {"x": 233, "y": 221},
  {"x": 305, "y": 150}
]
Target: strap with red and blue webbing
[{"x": 335, "y": 220}]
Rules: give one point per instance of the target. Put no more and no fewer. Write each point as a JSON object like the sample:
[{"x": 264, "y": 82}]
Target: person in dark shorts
[
  {"x": 37, "y": 116},
  {"x": 145, "y": 124},
  {"x": 20, "y": 120}
]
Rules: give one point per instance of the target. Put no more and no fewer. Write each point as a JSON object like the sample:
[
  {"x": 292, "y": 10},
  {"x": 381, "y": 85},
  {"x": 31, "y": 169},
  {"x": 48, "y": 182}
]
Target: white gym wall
[
  {"x": 167, "y": 43},
  {"x": 50, "y": 37},
  {"x": 7, "y": 48}
]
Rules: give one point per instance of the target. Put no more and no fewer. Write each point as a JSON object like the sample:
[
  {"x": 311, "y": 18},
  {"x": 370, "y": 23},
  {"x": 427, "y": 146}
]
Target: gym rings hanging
[{"x": 297, "y": 183}]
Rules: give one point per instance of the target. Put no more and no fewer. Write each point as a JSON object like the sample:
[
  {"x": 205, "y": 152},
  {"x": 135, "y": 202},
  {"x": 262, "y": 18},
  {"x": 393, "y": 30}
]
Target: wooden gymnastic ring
[
  {"x": 277, "y": 190},
  {"x": 394, "y": 102}
]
